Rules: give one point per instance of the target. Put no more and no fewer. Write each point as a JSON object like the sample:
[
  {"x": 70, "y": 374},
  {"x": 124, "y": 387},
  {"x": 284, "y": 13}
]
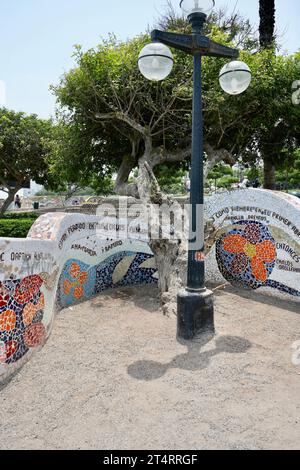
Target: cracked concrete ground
[{"x": 112, "y": 376}]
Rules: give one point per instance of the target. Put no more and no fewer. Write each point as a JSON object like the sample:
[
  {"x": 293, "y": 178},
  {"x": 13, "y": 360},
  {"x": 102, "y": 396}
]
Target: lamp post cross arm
[
  {"x": 218, "y": 50},
  {"x": 183, "y": 42},
  {"x": 192, "y": 43}
]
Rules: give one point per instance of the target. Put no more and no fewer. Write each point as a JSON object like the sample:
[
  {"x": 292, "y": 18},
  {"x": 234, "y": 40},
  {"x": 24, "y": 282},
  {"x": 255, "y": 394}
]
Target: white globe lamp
[
  {"x": 235, "y": 77},
  {"x": 156, "y": 61}
]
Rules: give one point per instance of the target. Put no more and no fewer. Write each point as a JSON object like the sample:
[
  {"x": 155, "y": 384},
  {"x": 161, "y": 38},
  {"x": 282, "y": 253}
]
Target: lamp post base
[{"x": 195, "y": 313}]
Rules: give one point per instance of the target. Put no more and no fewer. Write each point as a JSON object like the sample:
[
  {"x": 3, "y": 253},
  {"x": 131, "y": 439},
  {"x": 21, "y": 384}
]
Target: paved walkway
[{"x": 112, "y": 376}]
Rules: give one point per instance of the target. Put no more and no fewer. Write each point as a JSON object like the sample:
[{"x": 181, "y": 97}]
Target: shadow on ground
[
  {"x": 145, "y": 297},
  {"x": 192, "y": 360},
  {"x": 255, "y": 296}
]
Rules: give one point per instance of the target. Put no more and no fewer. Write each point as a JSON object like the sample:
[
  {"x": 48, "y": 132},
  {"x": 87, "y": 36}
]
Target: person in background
[
  {"x": 244, "y": 184},
  {"x": 187, "y": 185},
  {"x": 18, "y": 203},
  {"x": 256, "y": 183}
]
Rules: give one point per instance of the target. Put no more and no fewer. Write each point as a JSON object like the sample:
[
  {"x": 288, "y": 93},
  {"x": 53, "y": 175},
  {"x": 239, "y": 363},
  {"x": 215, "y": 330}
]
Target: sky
[{"x": 37, "y": 39}]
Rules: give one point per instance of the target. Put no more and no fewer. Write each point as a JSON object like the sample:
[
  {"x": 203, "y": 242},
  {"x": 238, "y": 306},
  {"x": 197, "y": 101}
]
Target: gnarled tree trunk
[
  {"x": 269, "y": 174},
  {"x": 170, "y": 253},
  {"x": 10, "y": 198}
]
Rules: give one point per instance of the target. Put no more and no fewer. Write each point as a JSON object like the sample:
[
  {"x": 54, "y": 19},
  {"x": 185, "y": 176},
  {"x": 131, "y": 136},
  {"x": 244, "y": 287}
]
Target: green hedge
[
  {"x": 17, "y": 228},
  {"x": 19, "y": 215}
]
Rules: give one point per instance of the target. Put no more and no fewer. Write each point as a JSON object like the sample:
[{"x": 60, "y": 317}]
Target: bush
[
  {"x": 227, "y": 182},
  {"x": 20, "y": 215},
  {"x": 17, "y": 228}
]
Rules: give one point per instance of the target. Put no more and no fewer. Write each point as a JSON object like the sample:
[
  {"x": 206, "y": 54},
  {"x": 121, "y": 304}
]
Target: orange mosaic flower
[
  {"x": 11, "y": 348},
  {"x": 35, "y": 335},
  {"x": 30, "y": 310},
  {"x": 74, "y": 270},
  {"x": 74, "y": 281},
  {"x": 75, "y": 287},
  {"x": 83, "y": 278},
  {"x": 266, "y": 251},
  {"x": 257, "y": 253},
  {"x": 29, "y": 313},
  {"x": 78, "y": 292},
  {"x": 234, "y": 244},
  {"x": 28, "y": 288},
  {"x": 67, "y": 287},
  {"x": 7, "y": 320},
  {"x": 259, "y": 270}
]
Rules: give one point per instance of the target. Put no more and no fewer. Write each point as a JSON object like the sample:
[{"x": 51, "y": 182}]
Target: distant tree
[
  {"x": 227, "y": 181},
  {"x": 253, "y": 173},
  {"x": 25, "y": 142},
  {"x": 80, "y": 158},
  {"x": 222, "y": 176},
  {"x": 288, "y": 174},
  {"x": 276, "y": 128}
]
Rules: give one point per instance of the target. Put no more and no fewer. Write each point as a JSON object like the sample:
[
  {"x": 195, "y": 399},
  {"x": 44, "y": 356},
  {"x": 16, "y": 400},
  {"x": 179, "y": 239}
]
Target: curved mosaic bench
[
  {"x": 257, "y": 241},
  {"x": 66, "y": 259},
  {"x": 63, "y": 261}
]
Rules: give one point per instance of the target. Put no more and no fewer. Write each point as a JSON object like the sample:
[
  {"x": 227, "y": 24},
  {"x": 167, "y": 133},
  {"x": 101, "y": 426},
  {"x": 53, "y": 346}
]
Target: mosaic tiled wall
[
  {"x": 256, "y": 241},
  {"x": 255, "y": 244},
  {"x": 28, "y": 273},
  {"x": 63, "y": 261},
  {"x": 80, "y": 281}
]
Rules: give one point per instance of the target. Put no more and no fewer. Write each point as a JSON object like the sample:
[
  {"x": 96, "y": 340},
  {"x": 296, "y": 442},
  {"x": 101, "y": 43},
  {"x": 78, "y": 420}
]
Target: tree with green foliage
[
  {"x": 275, "y": 132},
  {"x": 78, "y": 160},
  {"x": 223, "y": 176},
  {"x": 114, "y": 120},
  {"x": 24, "y": 145},
  {"x": 288, "y": 174}
]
